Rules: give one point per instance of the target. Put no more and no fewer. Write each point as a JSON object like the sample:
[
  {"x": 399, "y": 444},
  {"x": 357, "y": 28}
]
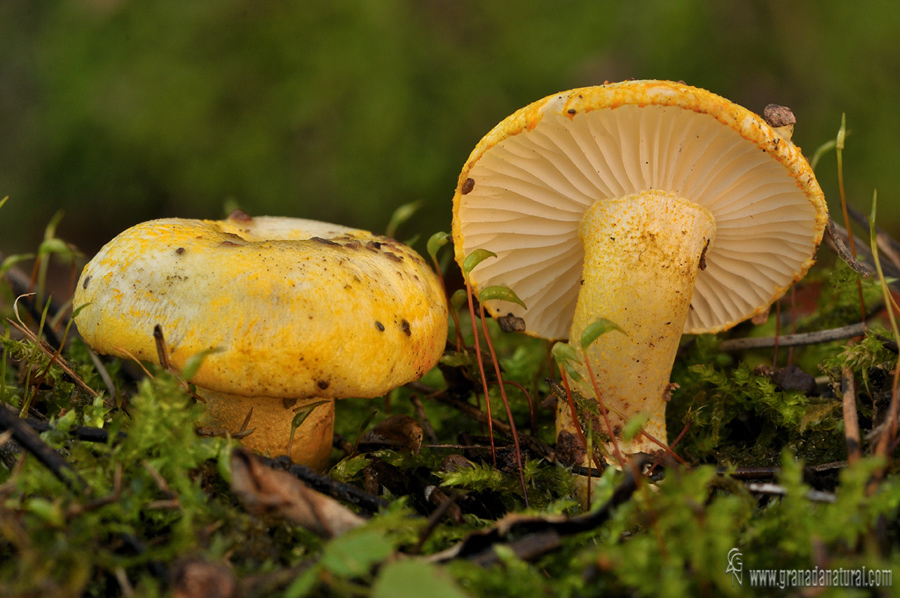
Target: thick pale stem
[
  {"x": 271, "y": 424},
  {"x": 642, "y": 253}
]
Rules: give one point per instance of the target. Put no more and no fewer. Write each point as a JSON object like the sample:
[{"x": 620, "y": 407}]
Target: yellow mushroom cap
[
  {"x": 527, "y": 185},
  {"x": 296, "y": 308}
]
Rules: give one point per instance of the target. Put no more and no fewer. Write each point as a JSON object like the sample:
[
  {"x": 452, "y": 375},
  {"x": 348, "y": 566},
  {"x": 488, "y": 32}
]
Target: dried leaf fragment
[{"x": 266, "y": 490}]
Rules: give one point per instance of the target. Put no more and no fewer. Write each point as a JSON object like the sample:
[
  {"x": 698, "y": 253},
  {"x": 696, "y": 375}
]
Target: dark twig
[
  {"x": 31, "y": 442},
  {"x": 889, "y": 344},
  {"x": 756, "y": 473},
  {"x": 325, "y": 485},
  {"x": 793, "y": 340},
  {"x": 162, "y": 352},
  {"x": 864, "y": 253},
  {"x": 535, "y": 536},
  {"x": 83, "y": 433},
  {"x": 104, "y": 375},
  {"x": 776, "y": 490},
  {"x": 835, "y": 240},
  {"x": 851, "y": 420}
]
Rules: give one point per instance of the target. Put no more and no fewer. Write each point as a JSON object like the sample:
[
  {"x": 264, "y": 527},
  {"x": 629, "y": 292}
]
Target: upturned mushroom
[
  {"x": 293, "y": 314},
  {"x": 664, "y": 208}
]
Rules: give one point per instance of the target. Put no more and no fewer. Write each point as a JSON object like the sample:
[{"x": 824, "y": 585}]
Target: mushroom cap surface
[
  {"x": 527, "y": 184},
  {"x": 295, "y": 308}
]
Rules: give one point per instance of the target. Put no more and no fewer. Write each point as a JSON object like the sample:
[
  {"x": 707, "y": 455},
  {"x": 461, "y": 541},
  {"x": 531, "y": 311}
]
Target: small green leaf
[
  {"x": 12, "y": 260},
  {"x": 475, "y": 258},
  {"x": 348, "y": 467},
  {"x": 50, "y": 231},
  {"x": 454, "y": 360},
  {"x": 301, "y": 415},
  {"x": 3, "y": 201},
  {"x": 54, "y": 245},
  {"x": 353, "y": 555},
  {"x": 499, "y": 293},
  {"x": 78, "y": 309},
  {"x": 598, "y": 329},
  {"x": 821, "y": 151},
  {"x": 193, "y": 363},
  {"x": 563, "y": 352},
  {"x": 565, "y": 356},
  {"x": 842, "y": 132},
  {"x": 873, "y": 236},
  {"x": 50, "y": 512},
  {"x": 223, "y": 461},
  {"x": 435, "y": 243},
  {"x": 303, "y": 584},
  {"x": 401, "y": 215},
  {"x": 409, "y": 578},
  {"x": 458, "y": 299},
  {"x": 634, "y": 426}
]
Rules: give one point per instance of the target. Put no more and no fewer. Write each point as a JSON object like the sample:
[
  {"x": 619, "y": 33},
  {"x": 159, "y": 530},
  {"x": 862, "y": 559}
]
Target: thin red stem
[
  {"x": 487, "y": 399},
  {"x": 603, "y": 411},
  {"x": 459, "y": 338},
  {"x": 532, "y": 415},
  {"x": 512, "y": 423},
  {"x": 777, "y": 334},
  {"x": 684, "y": 430}
]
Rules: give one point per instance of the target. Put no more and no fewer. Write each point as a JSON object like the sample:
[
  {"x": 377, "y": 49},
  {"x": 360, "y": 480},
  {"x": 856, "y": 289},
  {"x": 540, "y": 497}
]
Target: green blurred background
[{"x": 119, "y": 111}]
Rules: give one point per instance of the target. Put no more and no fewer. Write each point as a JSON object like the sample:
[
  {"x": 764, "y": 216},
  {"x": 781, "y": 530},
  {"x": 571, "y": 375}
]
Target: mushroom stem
[
  {"x": 642, "y": 253},
  {"x": 271, "y": 424}
]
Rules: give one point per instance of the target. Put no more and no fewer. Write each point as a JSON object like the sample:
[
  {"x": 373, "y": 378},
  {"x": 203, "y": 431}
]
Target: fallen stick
[{"x": 793, "y": 340}]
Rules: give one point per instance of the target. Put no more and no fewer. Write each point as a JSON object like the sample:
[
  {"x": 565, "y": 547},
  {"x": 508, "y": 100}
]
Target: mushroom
[
  {"x": 662, "y": 207},
  {"x": 292, "y": 313}
]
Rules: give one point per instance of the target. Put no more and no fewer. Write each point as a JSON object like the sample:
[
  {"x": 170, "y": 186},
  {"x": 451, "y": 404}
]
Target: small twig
[
  {"x": 54, "y": 357},
  {"x": 678, "y": 439},
  {"x": 755, "y": 473},
  {"x": 104, "y": 375},
  {"x": 836, "y": 242},
  {"x": 78, "y": 509},
  {"x": 587, "y": 471},
  {"x": 887, "y": 343},
  {"x": 222, "y": 432},
  {"x": 851, "y": 420},
  {"x": 793, "y": 340},
  {"x": 162, "y": 351},
  {"x": 423, "y": 418},
  {"x": 448, "y": 503},
  {"x": 160, "y": 481},
  {"x": 31, "y": 442},
  {"x": 325, "y": 485},
  {"x": 535, "y": 536},
  {"x": 776, "y": 490},
  {"x": 84, "y": 433}
]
